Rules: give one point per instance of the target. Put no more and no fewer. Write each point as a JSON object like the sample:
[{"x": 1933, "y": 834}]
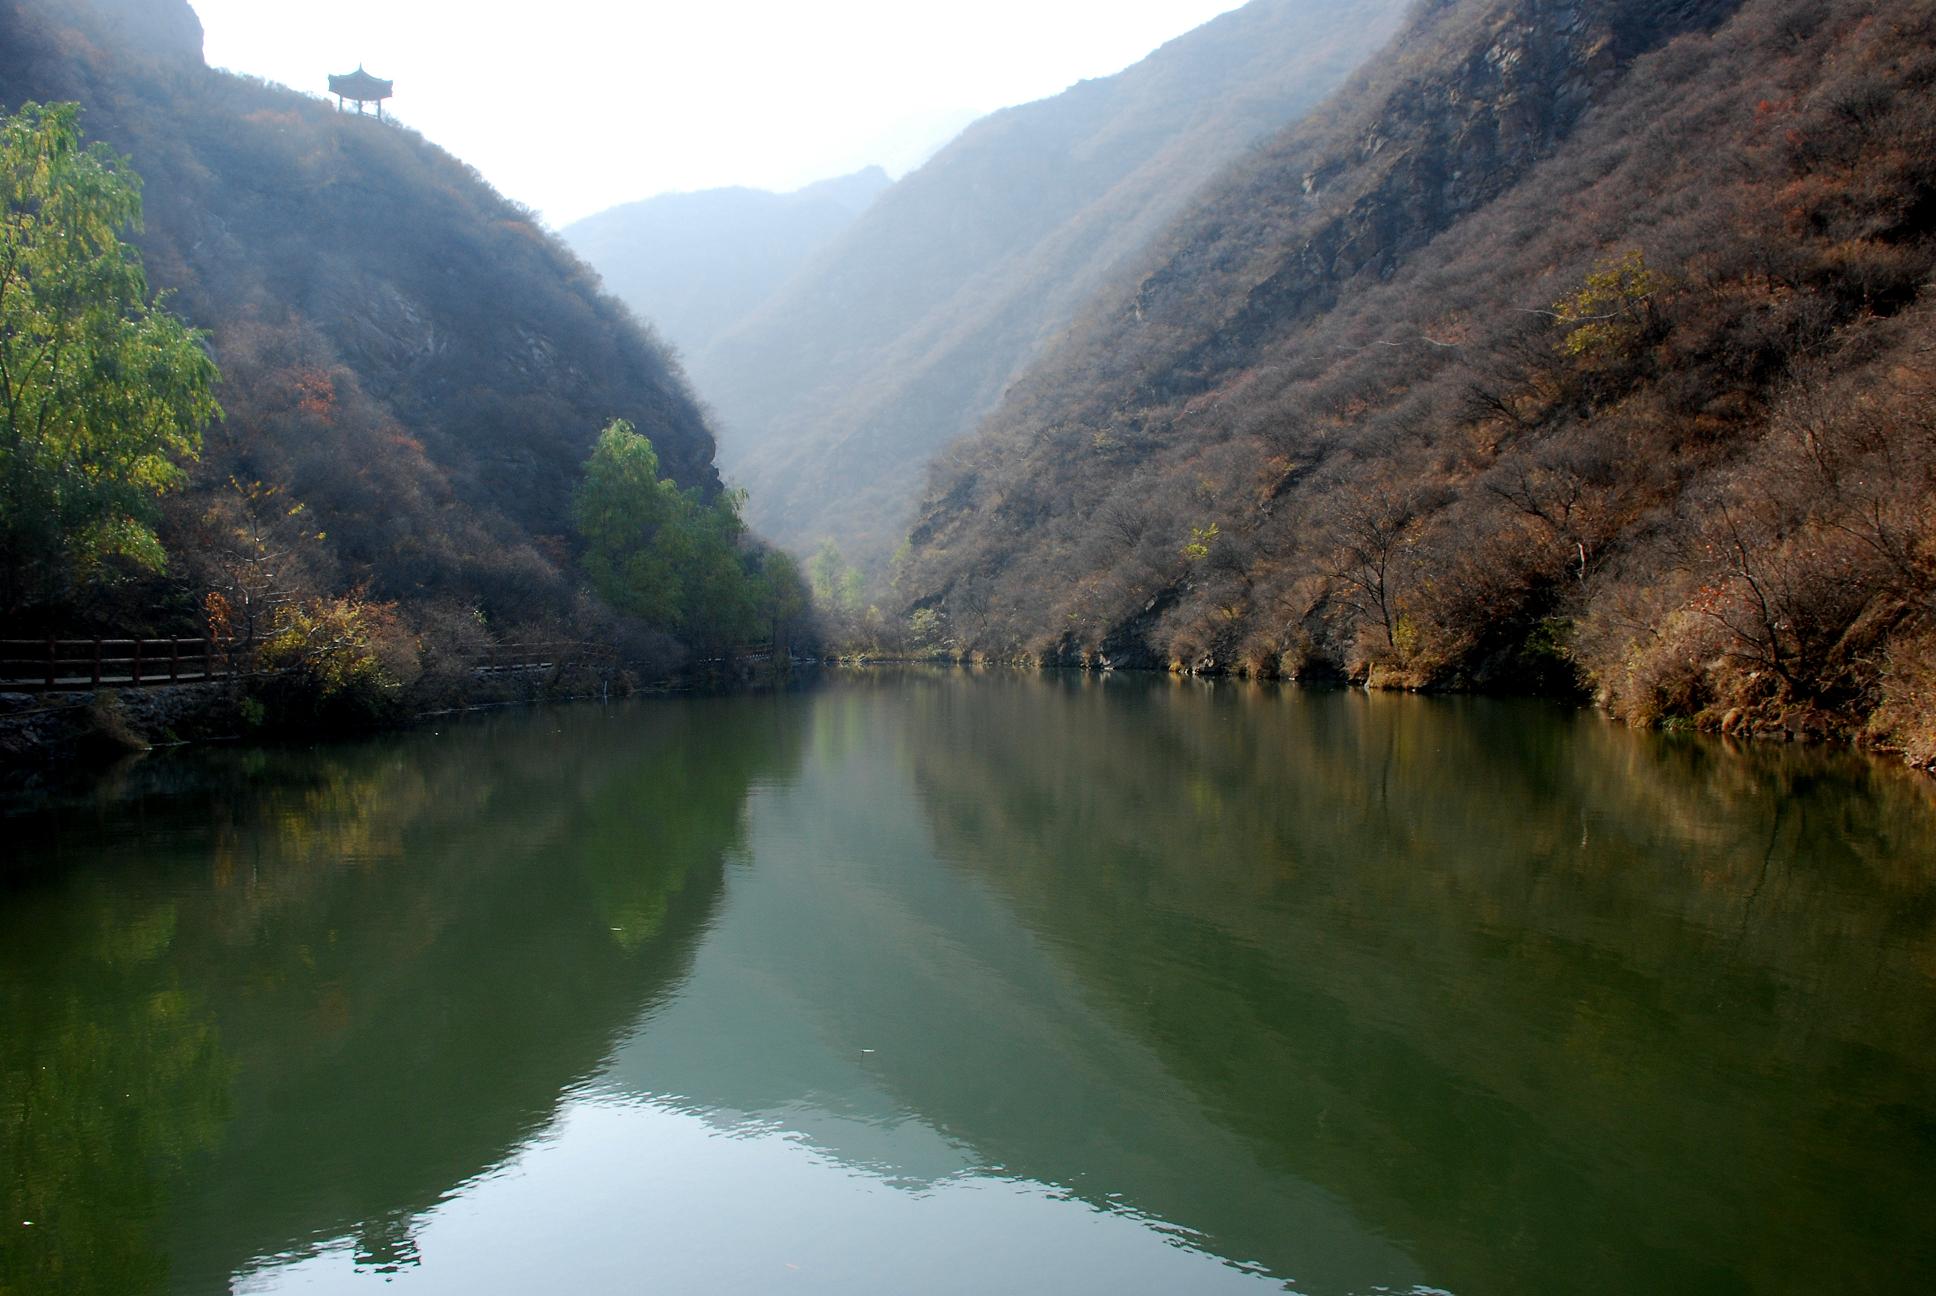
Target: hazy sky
[{"x": 574, "y": 105}]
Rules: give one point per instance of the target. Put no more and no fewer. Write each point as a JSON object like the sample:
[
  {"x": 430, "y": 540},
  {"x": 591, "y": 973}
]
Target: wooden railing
[
  {"x": 38, "y": 665},
  {"x": 50, "y": 665},
  {"x": 543, "y": 655},
  {"x": 739, "y": 653}
]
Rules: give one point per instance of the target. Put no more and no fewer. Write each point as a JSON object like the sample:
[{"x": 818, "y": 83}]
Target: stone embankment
[{"x": 38, "y": 728}]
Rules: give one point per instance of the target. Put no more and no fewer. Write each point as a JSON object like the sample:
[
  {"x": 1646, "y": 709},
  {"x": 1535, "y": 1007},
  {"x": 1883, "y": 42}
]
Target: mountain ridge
[
  {"x": 1562, "y": 351},
  {"x": 695, "y": 263},
  {"x": 899, "y": 334}
]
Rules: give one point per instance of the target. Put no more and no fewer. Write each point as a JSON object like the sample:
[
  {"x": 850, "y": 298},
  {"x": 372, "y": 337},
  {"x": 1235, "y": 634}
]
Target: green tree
[
  {"x": 782, "y": 595},
  {"x": 836, "y": 586},
  {"x": 102, "y": 392},
  {"x": 628, "y": 516},
  {"x": 719, "y": 595},
  {"x": 673, "y": 558}
]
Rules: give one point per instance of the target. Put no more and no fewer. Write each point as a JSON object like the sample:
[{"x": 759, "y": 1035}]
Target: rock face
[
  {"x": 835, "y": 395},
  {"x": 1442, "y": 146}
]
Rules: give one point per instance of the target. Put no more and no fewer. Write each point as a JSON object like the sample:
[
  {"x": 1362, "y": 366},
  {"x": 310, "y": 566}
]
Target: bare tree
[{"x": 1367, "y": 528}]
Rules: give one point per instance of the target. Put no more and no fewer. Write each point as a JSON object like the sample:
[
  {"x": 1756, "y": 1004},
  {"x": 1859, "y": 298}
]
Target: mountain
[
  {"x": 898, "y": 337},
  {"x": 405, "y": 354},
  {"x": 695, "y": 263},
  {"x": 1581, "y": 346}
]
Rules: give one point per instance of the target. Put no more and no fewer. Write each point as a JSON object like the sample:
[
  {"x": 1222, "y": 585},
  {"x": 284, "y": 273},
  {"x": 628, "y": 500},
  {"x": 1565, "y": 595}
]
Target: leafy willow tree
[
  {"x": 102, "y": 392},
  {"x": 674, "y": 559}
]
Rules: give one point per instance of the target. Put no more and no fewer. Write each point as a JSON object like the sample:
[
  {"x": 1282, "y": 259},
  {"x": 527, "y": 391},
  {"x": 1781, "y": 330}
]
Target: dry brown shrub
[{"x": 1906, "y": 719}]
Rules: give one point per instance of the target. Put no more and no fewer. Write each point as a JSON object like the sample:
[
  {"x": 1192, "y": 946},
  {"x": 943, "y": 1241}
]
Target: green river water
[{"x": 916, "y": 982}]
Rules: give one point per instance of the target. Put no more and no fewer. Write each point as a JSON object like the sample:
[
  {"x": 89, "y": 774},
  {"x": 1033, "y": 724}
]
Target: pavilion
[{"x": 359, "y": 88}]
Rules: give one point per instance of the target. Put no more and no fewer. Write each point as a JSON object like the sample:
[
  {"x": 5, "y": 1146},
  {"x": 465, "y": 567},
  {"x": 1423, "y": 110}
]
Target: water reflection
[
  {"x": 395, "y": 956},
  {"x": 1560, "y": 1006},
  {"x": 110, "y": 1080},
  {"x": 881, "y": 1000},
  {"x": 929, "y": 981}
]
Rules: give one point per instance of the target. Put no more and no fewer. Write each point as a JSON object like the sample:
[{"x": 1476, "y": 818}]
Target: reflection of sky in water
[
  {"x": 827, "y": 1101},
  {"x": 639, "y": 1197}
]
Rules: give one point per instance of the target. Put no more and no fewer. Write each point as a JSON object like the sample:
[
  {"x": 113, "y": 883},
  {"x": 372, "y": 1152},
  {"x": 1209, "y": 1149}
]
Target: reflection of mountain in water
[
  {"x": 1367, "y": 990},
  {"x": 1565, "y": 1007},
  {"x": 862, "y": 990},
  {"x": 411, "y": 949}
]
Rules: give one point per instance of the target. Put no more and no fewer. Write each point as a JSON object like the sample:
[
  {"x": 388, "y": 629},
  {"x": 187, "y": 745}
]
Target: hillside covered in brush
[
  {"x": 413, "y": 372},
  {"x": 835, "y": 394},
  {"x": 1583, "y": 345}
]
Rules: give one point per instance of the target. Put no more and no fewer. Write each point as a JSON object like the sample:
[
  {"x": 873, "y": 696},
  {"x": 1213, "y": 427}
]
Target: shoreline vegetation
[
  {"x": 1801, "y": 723},
  {"x": 60, "y": 737}
]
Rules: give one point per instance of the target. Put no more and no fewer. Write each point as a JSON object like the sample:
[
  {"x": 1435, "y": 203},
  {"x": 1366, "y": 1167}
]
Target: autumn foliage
[{"x": 1585, "y": 356}]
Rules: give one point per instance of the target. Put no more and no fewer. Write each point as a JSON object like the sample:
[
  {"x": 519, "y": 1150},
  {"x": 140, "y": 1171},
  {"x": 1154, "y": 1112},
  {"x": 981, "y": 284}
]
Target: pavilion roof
[{"x": 360, "y": 85}]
